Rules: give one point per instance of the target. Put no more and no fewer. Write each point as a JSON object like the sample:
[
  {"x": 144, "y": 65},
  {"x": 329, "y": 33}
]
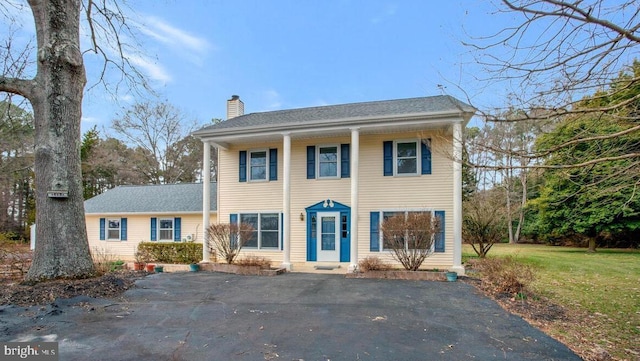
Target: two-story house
[{"x": 316, "y": 183}]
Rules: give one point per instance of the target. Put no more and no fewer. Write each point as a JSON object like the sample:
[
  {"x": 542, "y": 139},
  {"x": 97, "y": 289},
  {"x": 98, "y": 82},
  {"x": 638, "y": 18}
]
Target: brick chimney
[{"x": 235, "y": 107}]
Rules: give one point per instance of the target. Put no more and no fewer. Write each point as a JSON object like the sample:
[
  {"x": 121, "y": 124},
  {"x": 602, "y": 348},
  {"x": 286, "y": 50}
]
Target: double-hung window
[
  {"x": 166, "y": 229},
  {"x": 386, "y": 243},
  {"x": 406, "y": 157},
  {"x": 412, "y": 238},
  {"x": 258, "y": 165},
  {"x": 113, "y": 229},
  {"x": 266, "y": 230},
  {"x": 330, "y": 161},
  {"x": 328, "y": 164}
]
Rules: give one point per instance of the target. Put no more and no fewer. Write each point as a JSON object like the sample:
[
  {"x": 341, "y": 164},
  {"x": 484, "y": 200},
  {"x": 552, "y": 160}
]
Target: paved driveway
[{"x": 296, "y": 316}]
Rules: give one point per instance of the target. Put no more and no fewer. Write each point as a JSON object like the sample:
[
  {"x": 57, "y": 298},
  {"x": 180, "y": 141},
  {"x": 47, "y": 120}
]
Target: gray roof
[
  {"x": 162, "y": 198},
  {"x": 385, "y": 108}
]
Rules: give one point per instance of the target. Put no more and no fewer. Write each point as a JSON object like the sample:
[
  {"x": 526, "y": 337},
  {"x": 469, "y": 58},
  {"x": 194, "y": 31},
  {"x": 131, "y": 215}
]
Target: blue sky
[{"x": 284, "y": 54}]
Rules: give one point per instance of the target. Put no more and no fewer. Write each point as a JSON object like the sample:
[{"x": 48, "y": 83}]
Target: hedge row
[{"x": 178, "y": 252}]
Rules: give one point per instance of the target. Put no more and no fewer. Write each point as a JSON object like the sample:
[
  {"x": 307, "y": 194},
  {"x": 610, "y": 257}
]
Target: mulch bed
[{"x": 110, "y": 285}]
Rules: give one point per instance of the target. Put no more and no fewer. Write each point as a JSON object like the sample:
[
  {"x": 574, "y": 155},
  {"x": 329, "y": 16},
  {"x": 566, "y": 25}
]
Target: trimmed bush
[
  {"x": 178, "y": 252},
  {"x": 254, "y": 261},
  {"x": 373, "y": 263}
]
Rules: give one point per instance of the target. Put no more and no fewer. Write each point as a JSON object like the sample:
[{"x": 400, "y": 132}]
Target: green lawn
[{"x": 605, "y": 284}]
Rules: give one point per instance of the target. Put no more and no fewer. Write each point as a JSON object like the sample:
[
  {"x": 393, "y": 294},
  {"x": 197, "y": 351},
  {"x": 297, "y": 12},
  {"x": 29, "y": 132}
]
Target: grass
[{"x": 604, "y": 287}]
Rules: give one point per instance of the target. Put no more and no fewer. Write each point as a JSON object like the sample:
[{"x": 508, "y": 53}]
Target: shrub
[
  {"x": 116, "y": 265},
  {"x": 254, "y": 261},
  {"x": 171, "y": 252},
  {"x": 504, "y": 275},
  {"x": 102, "y": 260},
  {"x": 372, "y": 263},
  {"x": 410, "y": 237},
  {"x": 227, "y": 239}
]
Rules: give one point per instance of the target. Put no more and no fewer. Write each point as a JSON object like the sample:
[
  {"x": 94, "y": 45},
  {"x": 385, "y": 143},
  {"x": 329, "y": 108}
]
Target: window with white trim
[
  {"x": 258, "y": 165},
  {"x": 406, "y": 157},
  {"x": 328, "y": 161},
  {"x": 165, "y": 229},
  {"x": 113, "y": 229},
  {"x": 266, "y": 230},
  {"x": 406, "y": 236}
]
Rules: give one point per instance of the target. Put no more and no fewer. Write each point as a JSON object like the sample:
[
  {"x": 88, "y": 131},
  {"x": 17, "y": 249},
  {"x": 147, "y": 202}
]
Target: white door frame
[{"x": 328, "y": 255}]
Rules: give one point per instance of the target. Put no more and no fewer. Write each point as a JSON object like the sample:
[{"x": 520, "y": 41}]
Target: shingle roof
[
  {"x": 164, "y": 198},
  {"x": 398, "y": 107}
]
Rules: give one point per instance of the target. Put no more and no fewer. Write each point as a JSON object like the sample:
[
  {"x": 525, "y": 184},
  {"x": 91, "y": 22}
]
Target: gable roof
[
  {"x": 436, "y": 105},
  {"x": 155, "y": 199}
]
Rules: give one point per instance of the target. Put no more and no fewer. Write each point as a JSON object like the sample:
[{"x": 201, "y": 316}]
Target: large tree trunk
[{"x": 62, "y": 249}]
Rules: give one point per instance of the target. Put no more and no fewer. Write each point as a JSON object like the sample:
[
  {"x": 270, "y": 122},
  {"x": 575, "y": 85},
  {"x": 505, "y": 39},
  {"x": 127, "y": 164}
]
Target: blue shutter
[
  {"x": 123, "y": 229},
  {"x": 311, "y": 162},
  {"x": 242, "y": 167},
  {"x": 345, "y": 246},
  {"x": 439, "y": 246},
  {"x": 426, "y": 156},
  {"x": 273, "y": 164},
  {"x": 345, "y": 171},
  {"x": 374, "y": 232},
  {"x": 102, "y": 231},
  {"x": 282, "y": 233},
  {"x": 311, "y": 237},
  {"x": 388, "y": 157},
  {"x": 233, "y": 219},
  {"x": 177, "y": 229},
  {"x": 154, "y": 229}
]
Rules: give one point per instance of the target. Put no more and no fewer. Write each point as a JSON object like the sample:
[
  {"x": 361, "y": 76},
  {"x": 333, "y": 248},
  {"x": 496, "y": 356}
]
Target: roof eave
[
  {"x": 354, "y": 122},
  {"x": 145, "y": 213}
]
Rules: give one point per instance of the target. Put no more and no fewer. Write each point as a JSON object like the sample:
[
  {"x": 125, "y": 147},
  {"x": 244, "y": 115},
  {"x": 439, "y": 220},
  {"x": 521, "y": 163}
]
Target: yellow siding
[
  {"x": 376, "y": 192},
  {"x": 139, "y": 230}
]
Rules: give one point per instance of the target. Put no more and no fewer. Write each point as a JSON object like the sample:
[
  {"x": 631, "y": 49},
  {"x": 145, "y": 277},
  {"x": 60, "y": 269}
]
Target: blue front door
[{"x": 328, "y": 238}]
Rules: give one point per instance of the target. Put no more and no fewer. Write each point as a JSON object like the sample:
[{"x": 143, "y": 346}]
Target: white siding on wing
[{"x": 138, "y": 230}]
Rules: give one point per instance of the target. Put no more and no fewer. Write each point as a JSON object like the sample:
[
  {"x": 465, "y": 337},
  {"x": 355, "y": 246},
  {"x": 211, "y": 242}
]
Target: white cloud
[
  {"x": 155, "y": 71},
  {"x": 183, "y": 44},
  {"x": 168, "y": 34}
]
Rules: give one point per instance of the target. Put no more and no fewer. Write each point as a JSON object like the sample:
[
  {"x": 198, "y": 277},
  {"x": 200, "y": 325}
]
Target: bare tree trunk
[
  {"x": 523, "y": 202},
  {"x": 62, "y": 249}
]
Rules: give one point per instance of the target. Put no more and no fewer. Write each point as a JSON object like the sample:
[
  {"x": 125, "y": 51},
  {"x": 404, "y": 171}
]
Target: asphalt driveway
[{"x": 295, "y": 316}]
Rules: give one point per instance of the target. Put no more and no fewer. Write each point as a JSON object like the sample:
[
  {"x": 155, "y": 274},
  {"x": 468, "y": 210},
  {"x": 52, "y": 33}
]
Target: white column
[
  {"x": 457, "y": 199},
  {"x": 286, "y": 202},
  {"x": 355, "y": 160},
  {"x": 206, "y": 199}
]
